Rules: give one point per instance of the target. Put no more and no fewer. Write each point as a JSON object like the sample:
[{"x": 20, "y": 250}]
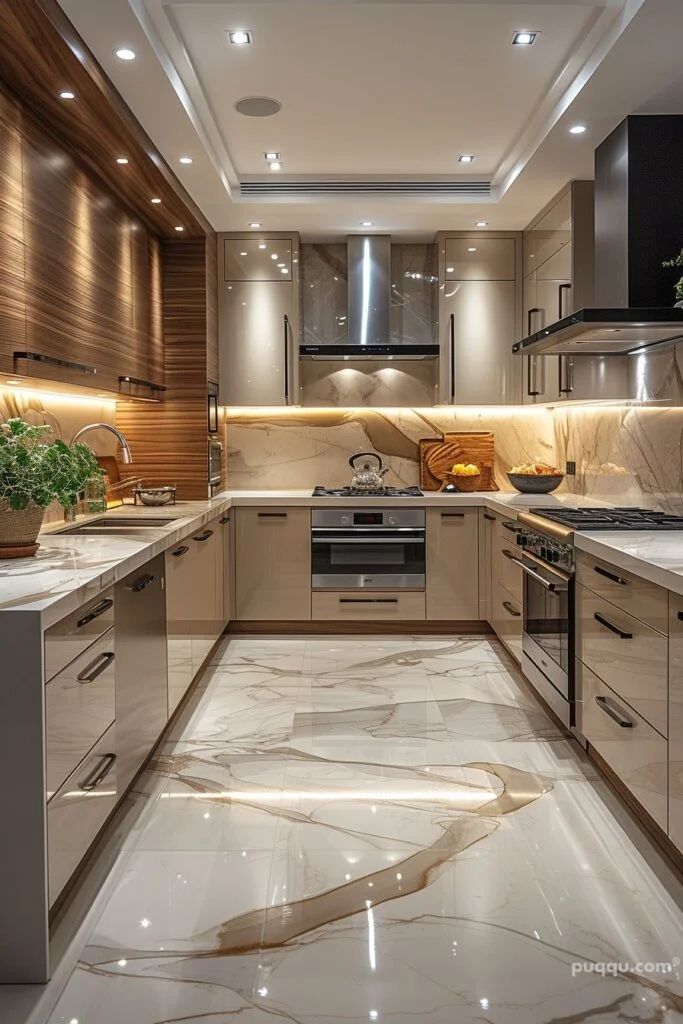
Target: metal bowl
[
  {"x": 529, "y": 483},
  {"x": 155, "y": 495}
]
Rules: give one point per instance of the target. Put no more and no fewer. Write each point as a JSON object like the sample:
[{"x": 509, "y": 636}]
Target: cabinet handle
[
  {"x": 511, "y": 610},
  {"x": 95, "y": 612},
  {"x": 201, "y": 537},
  {"x": 565, "y": 384},
  {"x": 143, "y": 582},
  {"x": 610, "y": 576},
  {"x": 490, "y": 518},
  {"x": 368, "y": 600},
  {"x": 180, "y": 551},
  {"x": 529, "y": 315},
  {"x": 286, "y": 327},
  {"x": 560, "y": 294},
  {"x": 609, "y": 625},
  {"x": 272, "y": 515},
  {"x": 531, "y": 368},
  {"x": 511, "y": 527},
  {"x": 614, "y": 712},
  {"x": 452, "y": 515},
  {"x": 98, "y": 774},
  {"x": 508, "y": 554},
  {"x": 93, "y": 670},
  {"x": 451, "y": 328},
  {"x": 66, "y": 364},
  {"x": 223, "y": 520}
]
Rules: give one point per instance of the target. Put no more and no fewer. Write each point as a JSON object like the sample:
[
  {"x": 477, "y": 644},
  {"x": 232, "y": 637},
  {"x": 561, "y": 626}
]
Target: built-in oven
[{"x": 368, "y": 549}]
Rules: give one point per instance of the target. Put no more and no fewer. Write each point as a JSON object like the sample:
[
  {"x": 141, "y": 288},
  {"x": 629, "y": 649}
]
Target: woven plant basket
[{"x": 19, "y": 529}]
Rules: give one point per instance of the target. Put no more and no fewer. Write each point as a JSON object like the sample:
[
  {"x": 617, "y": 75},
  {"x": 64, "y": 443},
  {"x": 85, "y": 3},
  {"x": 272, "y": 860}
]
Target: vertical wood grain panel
[{"x": 12, "y": 312}]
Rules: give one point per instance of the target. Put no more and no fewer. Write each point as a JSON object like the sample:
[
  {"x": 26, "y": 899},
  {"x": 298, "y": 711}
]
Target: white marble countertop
[{"x": 69, "y": 570}]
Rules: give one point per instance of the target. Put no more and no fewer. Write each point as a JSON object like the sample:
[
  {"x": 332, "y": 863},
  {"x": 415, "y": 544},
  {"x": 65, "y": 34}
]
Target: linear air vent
[{"x": 282, "y": 189}]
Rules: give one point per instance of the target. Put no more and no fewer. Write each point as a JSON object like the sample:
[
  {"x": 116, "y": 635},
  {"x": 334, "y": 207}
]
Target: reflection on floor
[{"x": 392, "y": 830}]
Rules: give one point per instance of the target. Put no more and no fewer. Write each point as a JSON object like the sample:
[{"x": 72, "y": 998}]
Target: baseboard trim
[{"x": 470, "y": 627}]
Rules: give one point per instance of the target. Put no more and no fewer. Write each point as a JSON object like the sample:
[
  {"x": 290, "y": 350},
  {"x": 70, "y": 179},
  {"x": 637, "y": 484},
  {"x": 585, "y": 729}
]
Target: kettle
[{"x": 367, "y": 478}]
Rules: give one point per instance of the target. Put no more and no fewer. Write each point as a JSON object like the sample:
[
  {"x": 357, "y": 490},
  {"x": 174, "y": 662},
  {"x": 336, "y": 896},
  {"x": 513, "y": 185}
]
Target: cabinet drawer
[
  {"x": 507, "y": 619},
  {"x": 480, "y": 259},
  {"x": 68, "y": 638},
  {"x": 380, "y": 607},
  {"x": 644, "y": 600},
  {"x": 79, "y": 809},
  {"x": 509, "y": 574},
  {"x": 676, "y": 720},
  {"x": 628, "y": 655},
  {"x": 79, "y": 708},
  {"x": 635, "y": 752}
]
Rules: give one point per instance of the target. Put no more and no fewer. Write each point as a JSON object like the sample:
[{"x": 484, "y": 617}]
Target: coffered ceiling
[{"x": 379, "y": 98}]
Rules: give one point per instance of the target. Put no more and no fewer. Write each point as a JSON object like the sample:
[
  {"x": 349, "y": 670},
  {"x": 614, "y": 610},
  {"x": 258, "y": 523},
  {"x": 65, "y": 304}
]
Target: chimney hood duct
[
  {"x": 638, "y": 223},
  {"x": 369, "y": 308}
]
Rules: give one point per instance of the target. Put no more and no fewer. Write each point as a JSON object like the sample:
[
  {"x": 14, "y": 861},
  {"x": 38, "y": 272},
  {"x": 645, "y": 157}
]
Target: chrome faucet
[{"x": 126, "y": 456}]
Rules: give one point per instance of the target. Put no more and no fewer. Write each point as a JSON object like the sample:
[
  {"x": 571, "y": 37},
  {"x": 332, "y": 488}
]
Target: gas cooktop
[
  {"x": 610, "y": 518},
  {"x": 350, "y": 492}
]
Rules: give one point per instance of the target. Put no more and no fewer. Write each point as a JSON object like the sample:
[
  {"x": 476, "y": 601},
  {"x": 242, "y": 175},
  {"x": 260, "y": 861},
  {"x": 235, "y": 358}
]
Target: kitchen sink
[{"x": 116, "y": 524}]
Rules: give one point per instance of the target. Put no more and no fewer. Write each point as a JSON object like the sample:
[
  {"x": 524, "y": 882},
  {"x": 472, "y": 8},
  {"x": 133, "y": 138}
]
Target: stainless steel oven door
[
  {"x": 377, "y": 560},
  {"x": 547, "y": 611}
]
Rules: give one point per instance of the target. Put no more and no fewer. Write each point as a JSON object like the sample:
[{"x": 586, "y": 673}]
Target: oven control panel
[{"x": 552, "y": 551}]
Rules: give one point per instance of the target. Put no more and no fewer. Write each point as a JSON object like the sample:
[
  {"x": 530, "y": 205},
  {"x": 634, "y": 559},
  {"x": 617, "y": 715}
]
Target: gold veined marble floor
[{"x": 380, "y": 829}]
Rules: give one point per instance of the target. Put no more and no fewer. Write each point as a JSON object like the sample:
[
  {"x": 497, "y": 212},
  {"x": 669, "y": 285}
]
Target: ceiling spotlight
[
  {"x": 240, "y": 37},
  {"x": 262, "y": 245},
  {"x": 481, "y": 223},
  {"x": 243, "y": 253},
  {"x": 274, "y": 256},
  {"x": 179, "y": 227},
  {"x": 272, "y": 155},
  {"x": 122, "y": 159},
  {"x": 66, "y": 95},
  {"x": 472, "y": 248},
  {"x": 578, "y": 129},
  {"x": 275, "y": 165},
  {"x": 450, "y": 270},
  {"x": 124, "y": 53},
  {"x": 465, "y": 158},
  {"x": 185, "y": 159},
  {"x": 524, "y": 38},
  {"x": 155, "y": 200},
  {"x": 366, "y": 223},
  {"x": 255, "y": 224},
  {"x": 284, "y": 270}
]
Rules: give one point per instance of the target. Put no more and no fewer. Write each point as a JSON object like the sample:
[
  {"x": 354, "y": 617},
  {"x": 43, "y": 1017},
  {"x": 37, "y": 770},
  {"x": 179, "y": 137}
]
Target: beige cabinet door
[
  {"x": 257, "y": 347},
  {"x": 258, "y": 259},
  {"x": 480, "y": 326},
  {"x": 676, "y": 720},
  {"x": 480, "y": 259},
  {"x": 273, "y": 564},
  {"x": 549, "y": 235},
  {"x": 180, "y": 598},
  {"x": 225, "y": 523},
  {"x": 453, "y": 564},
  {"x": 486, "y": 531},
  {"x": 208, "y": 591}
]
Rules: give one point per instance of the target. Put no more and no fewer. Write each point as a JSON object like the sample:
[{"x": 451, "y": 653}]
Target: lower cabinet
[
  {"x": 504, "y": 583},
  {"x": 676, "y": 720},
  {"x": 381, "y": 606},
  {"x": 507, "y": 619},
  {"x": 452, "y": 564},
  {"x": 273, "y": 564}
]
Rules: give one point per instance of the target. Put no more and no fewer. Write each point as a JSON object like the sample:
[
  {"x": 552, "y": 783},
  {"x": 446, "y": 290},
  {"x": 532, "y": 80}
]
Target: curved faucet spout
[{"x": 126, "y": 455}]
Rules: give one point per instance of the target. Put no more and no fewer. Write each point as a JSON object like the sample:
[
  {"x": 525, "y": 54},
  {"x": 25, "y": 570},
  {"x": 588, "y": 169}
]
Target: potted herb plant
[
  {"x": 34, "y": 472},
  {"x": 677, "y": 261}
]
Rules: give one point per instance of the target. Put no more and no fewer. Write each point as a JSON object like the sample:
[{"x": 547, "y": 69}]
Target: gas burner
[
  {"x": 350, "y": 492},
  {"x": 611, "y": 518}
]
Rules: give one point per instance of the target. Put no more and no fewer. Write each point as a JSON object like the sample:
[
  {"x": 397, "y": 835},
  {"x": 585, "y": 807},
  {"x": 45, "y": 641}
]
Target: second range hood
[
  {"x": 638, "y": 223},
  {"x": 369, "y": 305}
]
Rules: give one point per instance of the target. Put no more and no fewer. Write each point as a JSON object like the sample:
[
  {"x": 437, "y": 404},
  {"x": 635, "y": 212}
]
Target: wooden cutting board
[{"x": 439, "y": 454}]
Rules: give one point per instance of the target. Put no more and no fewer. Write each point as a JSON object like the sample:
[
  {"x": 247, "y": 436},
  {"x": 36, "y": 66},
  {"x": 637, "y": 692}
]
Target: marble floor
[{"x": 379, "y": 829}]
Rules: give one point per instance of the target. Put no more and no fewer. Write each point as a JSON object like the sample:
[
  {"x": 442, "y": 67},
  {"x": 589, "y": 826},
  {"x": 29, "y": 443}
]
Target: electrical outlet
[{"x": 571, "y": 469}]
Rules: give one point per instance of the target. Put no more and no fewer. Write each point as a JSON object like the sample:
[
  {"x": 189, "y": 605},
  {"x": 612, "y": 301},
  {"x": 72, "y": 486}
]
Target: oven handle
[
  {"x": 368, "y": 529},
  {"x": 416, "y": 539},
  {"x": 551, "y": 587},
  {"x": 564, "y": 576}
]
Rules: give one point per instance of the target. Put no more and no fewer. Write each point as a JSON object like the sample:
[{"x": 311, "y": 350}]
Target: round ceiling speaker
[{"x": 257, "y": 106}]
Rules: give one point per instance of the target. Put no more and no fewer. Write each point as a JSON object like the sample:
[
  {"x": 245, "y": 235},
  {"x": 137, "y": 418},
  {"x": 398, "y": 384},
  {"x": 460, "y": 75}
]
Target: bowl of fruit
[
  {"x": 535, "y": 478},
  {"x": 464, "y": 476}
]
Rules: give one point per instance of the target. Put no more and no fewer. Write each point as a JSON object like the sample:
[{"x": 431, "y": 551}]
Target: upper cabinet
[
  {"x": 479, "y": 304},
  {"x": 258, "y": 317}
]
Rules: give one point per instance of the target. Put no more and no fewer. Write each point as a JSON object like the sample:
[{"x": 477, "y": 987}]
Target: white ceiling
[{"x": 386, "y": 89}]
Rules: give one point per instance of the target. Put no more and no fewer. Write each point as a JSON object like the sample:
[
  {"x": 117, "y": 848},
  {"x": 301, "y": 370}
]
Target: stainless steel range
[
  {"x": 546, "y": 557},
  {"x": 368, "y": 548}
]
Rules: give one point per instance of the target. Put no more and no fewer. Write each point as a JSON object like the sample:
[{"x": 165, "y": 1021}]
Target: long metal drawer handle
[
  {"x": 201, "y": 537},
  {"x": 508, "y": 554},
  {"x": 368, "y": 600},
  {"x": 224, "y": 519},
  {"x": 143, "y": 582},
  {"x": 621, "y": 719},
  {"x": 511, "y": 609},
  {"x": 180, "y": 551},
  {"x": 95, "y": 612},
  {"x": 512, "y": 527},
  {"x": 610, "y": 576},
  {"x": 551, "y": 587},
  {"x": 98, "y": 774},
  {"x": 609, "y": 625},
  {"x": 368, "y": 540},
  {"x": 452, "y": 515},
  {"x": 272, "y": 515},
  {"x": 490, "y": 518},
  {"x": 93, "y": 670}
]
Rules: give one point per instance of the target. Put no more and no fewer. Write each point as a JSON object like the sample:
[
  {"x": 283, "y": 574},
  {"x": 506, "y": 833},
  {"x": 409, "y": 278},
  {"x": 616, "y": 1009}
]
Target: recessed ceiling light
[
  {"x": 241, "y": 37},
  {"x": 272, "y": 155},
  {"x": 578, "y": 129},
  {"x": 185, "y": 159},
  {"x": 122, "y": 159},
  {"x": 449, "y": 270},
  {"x": 481, "y": 223},
  {"x": 243, "y": 254},
  {"x": 155, "y": 200},
  {"x": 275, "y": 165},
  {"x": 472, "y": 248},
  {"x": 465, "y": 158},
  {"x": 262, "y": 245},
  {"x": 255, "y": 224},
  {"x": 124, "y": 53},
  {"x": 281, "y": 264},
  {"x": 284, "y": 270},
  {"x": 179, "y": 227},
  {"x": 524, "y": 38},
  {"x": 66, "y": 95},
  {"x": 366, "y": 223}
]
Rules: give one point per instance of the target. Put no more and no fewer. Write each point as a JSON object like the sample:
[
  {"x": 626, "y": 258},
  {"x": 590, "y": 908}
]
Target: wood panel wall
[{"x": 169, "y": 440}]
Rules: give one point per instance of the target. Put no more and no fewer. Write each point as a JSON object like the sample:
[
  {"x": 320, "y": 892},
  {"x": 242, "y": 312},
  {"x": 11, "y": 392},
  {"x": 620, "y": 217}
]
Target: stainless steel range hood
[
  {"x": 638, "y": 223},
  {"x": 369, "y": 305}
]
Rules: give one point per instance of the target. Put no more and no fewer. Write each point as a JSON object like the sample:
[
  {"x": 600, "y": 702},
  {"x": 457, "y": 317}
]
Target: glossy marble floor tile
[{"x": 380, "y": 829}]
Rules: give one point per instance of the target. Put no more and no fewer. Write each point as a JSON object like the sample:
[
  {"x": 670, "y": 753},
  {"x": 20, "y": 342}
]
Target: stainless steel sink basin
[{"x": 116, "y": 524}]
